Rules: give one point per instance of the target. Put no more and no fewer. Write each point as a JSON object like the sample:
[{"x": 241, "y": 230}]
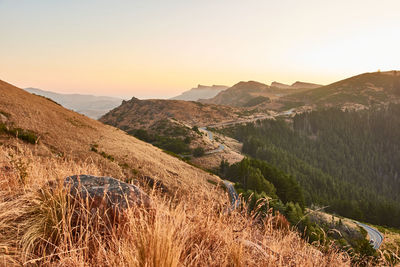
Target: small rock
[{"x": 3, "y": 119}]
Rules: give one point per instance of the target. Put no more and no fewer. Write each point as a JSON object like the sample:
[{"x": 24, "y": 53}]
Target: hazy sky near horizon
[{"x": 152, "y": 49}]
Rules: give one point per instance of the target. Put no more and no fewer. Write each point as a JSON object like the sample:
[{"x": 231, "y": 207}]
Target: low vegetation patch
[
  {"x": 27, "y": 136},
  {"x": 256, "y": 101},
  {"x": 94, "y": 148},
  {"x": 198, "y": 152}
]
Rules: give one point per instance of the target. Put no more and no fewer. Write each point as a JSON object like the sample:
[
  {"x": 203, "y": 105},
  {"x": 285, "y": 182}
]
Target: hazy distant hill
[
  {"x": 280, "y": 85},
  {"x": 239, "y": 94},
  {"x": 359, "y": 91},
  {"x": 296, "y": 85},
  {"x": 89, "y": 105},
  {"x": 252, "y": 93},
  {"x": 305, "y": 85},
  {"x": 200, "y": 92}
]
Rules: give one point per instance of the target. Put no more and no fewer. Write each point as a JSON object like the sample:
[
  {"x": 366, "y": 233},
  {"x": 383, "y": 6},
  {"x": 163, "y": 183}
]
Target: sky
[{"x": 157, "y": 49}]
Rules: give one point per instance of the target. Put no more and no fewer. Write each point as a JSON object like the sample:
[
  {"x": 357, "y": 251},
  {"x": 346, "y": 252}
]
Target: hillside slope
[
  {"x": 251, "y": 93},
  {"x": 64, "y": 132},
  {"x": 142, "y": 113},
  {"x": 170, "y": 125},
  {"x": 239, "y": 94},
  {"x": 89, "y": 105},
  {"x": 359, "y": 91},
  {"x": 347, "y": 161},
  {"x": 296, "y": 85}
]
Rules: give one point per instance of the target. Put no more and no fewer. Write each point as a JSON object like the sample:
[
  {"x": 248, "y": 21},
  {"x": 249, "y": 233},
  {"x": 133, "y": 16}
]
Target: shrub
[
  {"x": 142, "y": 135},
  {"x": 106, "y": 156},
  {"x": 187, "y": 140},
  {"x": 22, "y": 134},
  {"x": 196, "y": 129},
  {"x": 198, "y": 152}
]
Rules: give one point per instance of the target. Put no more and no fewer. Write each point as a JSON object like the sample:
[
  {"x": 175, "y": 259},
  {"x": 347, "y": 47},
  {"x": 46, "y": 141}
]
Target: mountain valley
[{"x": 268, "y": 153}]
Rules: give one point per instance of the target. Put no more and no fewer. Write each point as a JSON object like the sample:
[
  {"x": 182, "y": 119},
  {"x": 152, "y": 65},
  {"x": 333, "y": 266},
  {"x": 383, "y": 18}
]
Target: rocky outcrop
[{"x": 106, "y": 196}]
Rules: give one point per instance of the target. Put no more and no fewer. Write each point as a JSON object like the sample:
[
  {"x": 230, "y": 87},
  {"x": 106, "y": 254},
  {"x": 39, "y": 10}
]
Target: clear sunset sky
[{"x": 157, "y": 49}]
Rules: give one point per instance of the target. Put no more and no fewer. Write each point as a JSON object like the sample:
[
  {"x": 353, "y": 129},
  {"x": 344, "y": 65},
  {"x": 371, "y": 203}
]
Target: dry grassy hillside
[
  {"x": 137, "y": 113},
  {"x": 254, "y": 94},
  {"x": 64, "y": 132},
  {"x": 360, "y": 91},
  {"x": 242, "y": 92},
  {"x": 169, "y": 124},
  {"x": 190, "y": 229}
]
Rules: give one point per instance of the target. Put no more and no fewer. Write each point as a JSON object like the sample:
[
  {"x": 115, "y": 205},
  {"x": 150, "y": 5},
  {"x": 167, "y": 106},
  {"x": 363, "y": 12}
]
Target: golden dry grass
[
  {"x": 36, "y": 227},
  {"x": 143, "y": 113},
  {"x": 190, "y": 227},
  {"x": 64, "y": 132}
]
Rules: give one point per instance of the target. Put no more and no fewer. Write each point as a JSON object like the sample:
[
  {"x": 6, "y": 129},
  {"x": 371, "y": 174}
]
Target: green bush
[
  {"x": 198, "y": 152},
  {"x": 196, "y": 129},
  {"x": 22, "y": 134}
]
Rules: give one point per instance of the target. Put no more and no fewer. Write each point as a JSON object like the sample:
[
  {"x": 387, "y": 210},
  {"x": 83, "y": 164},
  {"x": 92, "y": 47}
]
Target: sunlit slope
[
  {"x": 252, "y": 93},
  {"x": 365, "y": 89},
  {"x": 137, "y": 113},
  {"x": 62, "y": 132}
]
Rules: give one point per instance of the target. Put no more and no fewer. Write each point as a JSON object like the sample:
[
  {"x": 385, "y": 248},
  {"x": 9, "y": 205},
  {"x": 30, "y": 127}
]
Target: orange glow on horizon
[{"x": 158, "y": 49}]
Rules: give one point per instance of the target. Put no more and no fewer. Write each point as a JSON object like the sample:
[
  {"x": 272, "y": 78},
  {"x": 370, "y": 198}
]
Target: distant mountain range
[
  {"x": 200, "y": 92},
  {"x": 89, "y": 105}
]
